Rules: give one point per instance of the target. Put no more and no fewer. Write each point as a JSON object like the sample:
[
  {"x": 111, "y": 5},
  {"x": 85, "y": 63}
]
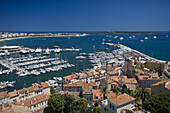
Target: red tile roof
[
  {"x": 98, "y": 93},
  {"x": 121, "y": 99},
  {"x": 45, "y": 85},
  {"x": 22, "y": 90},
  {"x": 161, "y": 82},
  {"x": 80, "y": 83},
  {"x": 17, "y": 109},
  {"x": 70, "y": 77},
  {"x": 34, "y": 100},
  {"x": 4, "y": 94},
  {"x": 13, "y": 94}
]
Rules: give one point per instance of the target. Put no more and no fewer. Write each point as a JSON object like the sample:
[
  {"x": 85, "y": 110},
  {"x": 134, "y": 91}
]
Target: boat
[
  {"x": 130, "y": 37},
  {"x": 24, "y": 51},
  {"x": 121, "y": 38},
  {"x": 47, "y": 51},
  {"x": 154, "y": 37},
  {"x": 83, "y": 54},
  {"x": 110, "y": 40},
  {"x": 146, "y": 38},
  {"x": 80, "y": 58},
  {"x": 57, "y": 50},
  {"x": 133, "y": 36},
  {"x": 38, "y": 50},
  {"x": 166, "y": 35},
  {"x": 141, "y": 40},
  {"x": 115, "y": 36}
]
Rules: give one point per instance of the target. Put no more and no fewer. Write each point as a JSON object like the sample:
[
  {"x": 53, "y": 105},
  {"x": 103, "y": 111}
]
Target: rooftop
[
  {"x": 4, "y": 94},
  {"x": 70, "y": 77},
  {"x": 16, "y": 109},
  {"x": 34, "y": 100},
  {"x": 80, "y": 83},
  {"x": 121, "y": 99}
]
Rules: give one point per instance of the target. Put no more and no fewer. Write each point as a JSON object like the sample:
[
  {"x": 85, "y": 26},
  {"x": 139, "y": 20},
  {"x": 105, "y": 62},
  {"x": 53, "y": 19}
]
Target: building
[
  {"x": 166, "y": 72},
  {"x": 36, "y": 103},
  {"x": 147, "y": 80},
  {"x": 4, "y": 97},
  {"x": 70, "y": 78},
  {"x": 128, "y": 68},
  {"x": 118, "y": 103},
  {"x": 16, "y": 109},
  {"x": 160, "y": 87},
  {"x": 78, "y": 86}
]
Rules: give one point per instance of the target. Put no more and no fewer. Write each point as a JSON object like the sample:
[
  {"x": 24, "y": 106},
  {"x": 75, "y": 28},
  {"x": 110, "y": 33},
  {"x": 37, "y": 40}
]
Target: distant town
[{"x": 9, "y": 36}]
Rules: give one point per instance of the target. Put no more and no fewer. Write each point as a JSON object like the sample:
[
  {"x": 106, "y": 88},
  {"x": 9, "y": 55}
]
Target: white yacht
[
  {"x": 47, "y": 51},
  {"x": 146, "y": 38},
  {"x": 130, "y": 37},
  {"x": 154, "y": 37},
  {"x": 121, "y": 38},
  {"x": 115, "y": 36},
  {"x": 57, "y": 50},
  {"x": 166, "y": 35},
  {"x": 80, "y": 58},
  {"x": 38, "y": 50},
  {"x": 24, "y": 51},
  {"x": 141, "y": 40}
]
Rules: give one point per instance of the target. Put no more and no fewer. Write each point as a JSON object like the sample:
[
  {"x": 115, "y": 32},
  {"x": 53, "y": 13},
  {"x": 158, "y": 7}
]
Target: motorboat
[
  {"x": 121, "y": 38},
  {"x": 47, "y": 51},
  {"x": 154, "y": 37},
  {"x": 141, "y": 40},
  {"x": 24, "y": 51},
  {"x": 57, "y": 50},
  {"x": 38, "y": 50},
  {"x": 80, "y": 58},
  {"x": 146, "y": 38}
]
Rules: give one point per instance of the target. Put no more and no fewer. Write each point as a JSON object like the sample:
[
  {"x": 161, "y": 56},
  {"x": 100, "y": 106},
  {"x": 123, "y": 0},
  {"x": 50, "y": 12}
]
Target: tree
[
  {"x": 116, "y": 90},
  {"x": 96, "y": 109},
  {"x": 158, "y": 103},
  {"x": 56, "y": 103},
  {"x": 96, "y": 103},
  {"x": 105, "y": 91},
  {"x": 52, "y": 90},
  {"x": 68, "y": 105}
]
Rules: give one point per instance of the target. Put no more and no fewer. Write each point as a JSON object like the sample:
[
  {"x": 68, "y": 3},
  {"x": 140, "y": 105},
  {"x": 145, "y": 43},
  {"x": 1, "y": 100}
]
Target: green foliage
[
  {"x": 96, "y": 109},
  {"x": 158, "y": 103},
  {"x": 105, "y": 91},
  {"x": 81, "y": 102},
  {"x": 52, "y": 90},
  {"x": 96, "y": 103},
  {"x": 68, "y": 105},
  {"x": 56, "y": 103}
]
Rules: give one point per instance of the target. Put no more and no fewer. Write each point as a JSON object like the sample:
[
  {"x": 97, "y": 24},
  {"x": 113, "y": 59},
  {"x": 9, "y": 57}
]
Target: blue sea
[{"x": 158, "y": 48}]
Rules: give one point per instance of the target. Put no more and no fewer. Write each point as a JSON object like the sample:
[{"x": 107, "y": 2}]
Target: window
[
  {"x": 96, "y": 97},
  {"x": 110, "y": 106},
  {"x": 90, "y": 99},
  {"x": 113, "y": 108}
]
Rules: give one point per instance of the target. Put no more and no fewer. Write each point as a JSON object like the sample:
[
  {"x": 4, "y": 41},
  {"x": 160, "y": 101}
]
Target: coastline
[
  {"x": 7, "y": 39},
  {"x": 136, "y": 51}
]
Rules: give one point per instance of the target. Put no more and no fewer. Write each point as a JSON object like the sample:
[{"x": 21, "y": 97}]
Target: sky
[{"x": 84, "y": 15}]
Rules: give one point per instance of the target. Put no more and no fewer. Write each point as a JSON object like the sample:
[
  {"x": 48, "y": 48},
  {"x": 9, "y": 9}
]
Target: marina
[{"x": 28, "y": 66}]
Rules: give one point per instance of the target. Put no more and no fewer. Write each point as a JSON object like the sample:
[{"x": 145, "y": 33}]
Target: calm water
[{"x": 158, "y": 48}]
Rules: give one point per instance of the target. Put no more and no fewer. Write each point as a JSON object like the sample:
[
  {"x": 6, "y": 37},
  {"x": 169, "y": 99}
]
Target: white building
[{"x": 118, "y": 104}]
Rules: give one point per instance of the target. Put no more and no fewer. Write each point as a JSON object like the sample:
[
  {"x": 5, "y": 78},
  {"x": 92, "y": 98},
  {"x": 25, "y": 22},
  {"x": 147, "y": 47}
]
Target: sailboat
[
  {"x": 47, "y": 51},
  {"x": 57, "y": 50}
]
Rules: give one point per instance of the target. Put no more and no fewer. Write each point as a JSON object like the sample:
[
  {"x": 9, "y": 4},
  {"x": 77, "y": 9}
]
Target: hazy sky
[{"x": 84, "y": 15}]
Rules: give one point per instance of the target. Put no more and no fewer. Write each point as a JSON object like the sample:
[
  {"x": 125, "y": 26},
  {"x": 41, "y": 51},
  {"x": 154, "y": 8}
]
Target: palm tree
[{"x": 105, "y": 92}]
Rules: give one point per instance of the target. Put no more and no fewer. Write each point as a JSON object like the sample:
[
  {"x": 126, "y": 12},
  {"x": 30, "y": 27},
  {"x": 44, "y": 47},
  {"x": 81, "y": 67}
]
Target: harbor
[{"x": 40, "y": 59}]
